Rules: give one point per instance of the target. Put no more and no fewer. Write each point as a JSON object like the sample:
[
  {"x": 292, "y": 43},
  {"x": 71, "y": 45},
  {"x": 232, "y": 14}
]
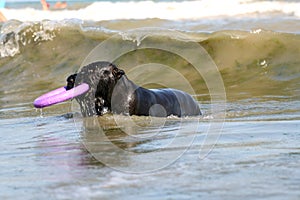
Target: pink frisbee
[{"x": 59, "y": 95}]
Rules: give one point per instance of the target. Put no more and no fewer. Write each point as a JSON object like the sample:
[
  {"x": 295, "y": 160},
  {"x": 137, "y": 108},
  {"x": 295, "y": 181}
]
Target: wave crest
[{"x": 15, "y": 35}]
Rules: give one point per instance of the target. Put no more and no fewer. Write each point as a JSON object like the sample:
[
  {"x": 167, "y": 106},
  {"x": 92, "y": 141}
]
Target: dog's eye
[{"x": 106, "y": 72}]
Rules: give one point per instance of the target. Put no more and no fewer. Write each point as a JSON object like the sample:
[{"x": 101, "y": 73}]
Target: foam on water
[{"x": 183, "y": 10}]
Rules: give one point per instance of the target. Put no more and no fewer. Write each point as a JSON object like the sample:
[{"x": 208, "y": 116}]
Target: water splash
[
  {"x": 15, "y": 35},
  {"x": 41, "y": 112}
]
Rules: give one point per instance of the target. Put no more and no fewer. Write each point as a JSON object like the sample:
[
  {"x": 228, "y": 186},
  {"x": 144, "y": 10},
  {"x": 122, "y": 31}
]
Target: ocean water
[{"x": 246, "y": 144}]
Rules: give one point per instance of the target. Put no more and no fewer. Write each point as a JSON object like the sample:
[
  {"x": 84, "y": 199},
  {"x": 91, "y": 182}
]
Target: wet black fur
[{"x": 111, "y": 91}]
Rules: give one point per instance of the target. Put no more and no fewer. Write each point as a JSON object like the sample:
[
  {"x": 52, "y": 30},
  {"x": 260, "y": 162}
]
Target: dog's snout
[{"x": 71, "y": 81}]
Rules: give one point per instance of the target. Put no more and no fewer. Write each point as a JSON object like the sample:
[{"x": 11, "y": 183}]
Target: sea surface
[{"x": 239, "y": 58}]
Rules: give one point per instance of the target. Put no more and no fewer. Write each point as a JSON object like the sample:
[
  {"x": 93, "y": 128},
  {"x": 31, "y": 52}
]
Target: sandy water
[{"x": 256, "y": 156}]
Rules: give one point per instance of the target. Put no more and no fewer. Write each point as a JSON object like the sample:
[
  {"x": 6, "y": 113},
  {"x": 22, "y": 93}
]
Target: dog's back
[{"x": 164, "y": 102}]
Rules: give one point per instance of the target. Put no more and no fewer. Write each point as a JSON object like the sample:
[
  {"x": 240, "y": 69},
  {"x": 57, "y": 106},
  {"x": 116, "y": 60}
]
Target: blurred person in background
[
  {"x": 57, "y": 5},
  {"x": 2, "y": 5}
]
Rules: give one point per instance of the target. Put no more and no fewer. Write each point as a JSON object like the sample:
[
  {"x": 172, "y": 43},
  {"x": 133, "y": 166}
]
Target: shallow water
[
  {"x": 55, "y": 153},
  {"x": 256, "y": 156}
]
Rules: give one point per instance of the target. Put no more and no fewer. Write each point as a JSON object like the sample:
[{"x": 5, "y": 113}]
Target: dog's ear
[{"x": 118, "y": 73}]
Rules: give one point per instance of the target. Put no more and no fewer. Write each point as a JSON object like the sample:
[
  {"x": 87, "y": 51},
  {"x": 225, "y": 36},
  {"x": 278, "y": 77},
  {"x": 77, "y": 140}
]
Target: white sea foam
[{"x": 191, "y": 10}]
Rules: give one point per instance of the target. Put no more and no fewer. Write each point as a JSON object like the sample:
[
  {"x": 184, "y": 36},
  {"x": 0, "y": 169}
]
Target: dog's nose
[{"x": 69, "y": 86}]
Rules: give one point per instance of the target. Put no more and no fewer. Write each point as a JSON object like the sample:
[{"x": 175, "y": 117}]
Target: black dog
[{"x": 111, "y": 91}]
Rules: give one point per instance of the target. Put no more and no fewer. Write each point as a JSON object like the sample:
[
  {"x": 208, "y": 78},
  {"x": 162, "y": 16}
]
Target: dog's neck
[
  {"x": 120, "y": 97},
  {"x": 113, "y": 93}
]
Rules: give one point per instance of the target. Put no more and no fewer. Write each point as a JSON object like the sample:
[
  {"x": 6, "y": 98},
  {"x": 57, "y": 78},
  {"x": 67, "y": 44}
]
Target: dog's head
[
  {"x": 96, "y": 74},
  {"x": 102, "y": 78}
]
